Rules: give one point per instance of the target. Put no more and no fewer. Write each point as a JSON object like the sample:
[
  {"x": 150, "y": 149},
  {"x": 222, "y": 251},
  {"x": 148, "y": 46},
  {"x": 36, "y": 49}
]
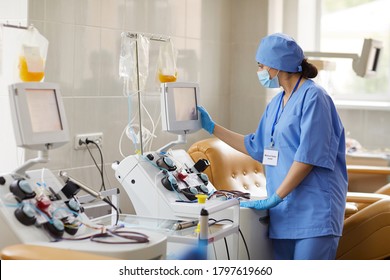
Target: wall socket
[{"x": 79, "y": 139}]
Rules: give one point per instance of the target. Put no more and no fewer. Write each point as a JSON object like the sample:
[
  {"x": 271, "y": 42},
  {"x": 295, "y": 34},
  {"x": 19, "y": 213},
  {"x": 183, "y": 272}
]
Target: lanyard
[{"x": 277, "y": 112}]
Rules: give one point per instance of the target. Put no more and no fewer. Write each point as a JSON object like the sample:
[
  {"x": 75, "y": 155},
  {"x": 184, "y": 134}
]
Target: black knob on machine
[
  {"x": 150, "y": 157},
  {"x": 201, "y": 165},
  {"x": 71, "y": 227},
  {"x": 169, "y": 182},
  {"x": 204, "y": 189},
  {"x": 70, "y": 189},
  {"x": 56, "y": 228},
  {"x": 26, "y": 215},
  {"x": 22, "y": 189},
  {"x": 193, "y": 190},
  {"x": 190, "y": 192},
  {"x": 166, "y": 163},
  {"x": 204, "y": 178}
]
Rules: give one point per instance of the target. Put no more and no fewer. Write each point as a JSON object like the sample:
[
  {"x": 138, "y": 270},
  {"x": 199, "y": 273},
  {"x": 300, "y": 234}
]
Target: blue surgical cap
[{"x": 281, "y": 52}]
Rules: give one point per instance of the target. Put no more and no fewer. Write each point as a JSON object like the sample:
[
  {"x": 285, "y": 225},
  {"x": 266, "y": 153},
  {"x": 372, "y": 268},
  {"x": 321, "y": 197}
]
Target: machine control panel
[
  {"x": 164, "y": 184},
  {"x": 37, "y": 201},
  {"x": 39, "y": 209},
  {"x": 180, "y": 177}
]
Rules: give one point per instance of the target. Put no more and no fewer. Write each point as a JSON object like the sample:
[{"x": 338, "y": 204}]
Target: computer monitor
[
  {"x": 38, "y": 115},
  {"x": 367, "y": 64},
  {"x": 179, "y": 111}
]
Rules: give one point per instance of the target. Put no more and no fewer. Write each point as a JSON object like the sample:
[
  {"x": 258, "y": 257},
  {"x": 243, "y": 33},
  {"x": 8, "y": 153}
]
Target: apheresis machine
[
  {"x": 167, "y": 184},
  {"x": 41, "y": 208},
  {"x": 177, "y": 207}
]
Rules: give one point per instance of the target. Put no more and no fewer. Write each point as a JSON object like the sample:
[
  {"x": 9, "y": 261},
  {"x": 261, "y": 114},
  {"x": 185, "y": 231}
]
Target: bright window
[{"x": 344, "y": 25}]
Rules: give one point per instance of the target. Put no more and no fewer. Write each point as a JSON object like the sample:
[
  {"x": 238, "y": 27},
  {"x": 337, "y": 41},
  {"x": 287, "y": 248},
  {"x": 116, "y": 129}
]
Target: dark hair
[{"x": 309, "y": 71}]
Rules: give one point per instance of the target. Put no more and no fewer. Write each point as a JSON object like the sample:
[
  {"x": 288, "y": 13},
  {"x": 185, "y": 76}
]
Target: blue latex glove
[
  {"x": 207, "y": 123},
  {"x": 263, "y": 204}
]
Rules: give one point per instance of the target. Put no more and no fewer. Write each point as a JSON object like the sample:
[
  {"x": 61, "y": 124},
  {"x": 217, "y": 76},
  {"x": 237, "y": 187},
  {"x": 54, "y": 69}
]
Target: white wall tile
[
  {"x": 7, "y": 139},
  {"x": 249, "y": 21},
  {"x": 194, "y": 17},
  {"x": 61, "y": 56},
  {"x": 111, "y": 84},
  {"x": 166, "y": 17},
  {"x": 14, "y": 11},
  {"x": 61, "y": 11},
  {"x": 136, "y": 15},
  {"x": 88, "y": 12},
  {"x": 113, "y": 13},
  {"x": 36, "y": 10},
  {"x": 87, "y": 61},
  {"x": 246, "y": 112}
]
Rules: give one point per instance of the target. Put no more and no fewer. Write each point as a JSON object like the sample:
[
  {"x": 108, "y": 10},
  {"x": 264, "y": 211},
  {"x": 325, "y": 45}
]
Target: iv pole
[{"x": 152, "y": 38}]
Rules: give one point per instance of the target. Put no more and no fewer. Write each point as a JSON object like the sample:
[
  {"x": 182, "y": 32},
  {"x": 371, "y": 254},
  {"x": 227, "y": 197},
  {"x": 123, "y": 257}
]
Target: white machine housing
[
  {"x": 142, "y": 176},
  {"x": 47, "y": 187},
  {"x": 35, "y": 206},
  {"x": 141, "y": 179}
]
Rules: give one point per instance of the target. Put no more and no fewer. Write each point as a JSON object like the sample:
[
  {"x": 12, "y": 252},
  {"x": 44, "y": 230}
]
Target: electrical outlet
[{"x": 80, "y": 139}]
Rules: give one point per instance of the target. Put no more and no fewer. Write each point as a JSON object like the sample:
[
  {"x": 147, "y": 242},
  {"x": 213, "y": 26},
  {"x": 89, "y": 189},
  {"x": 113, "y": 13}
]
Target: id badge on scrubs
[{"x": 270, "y": 157}]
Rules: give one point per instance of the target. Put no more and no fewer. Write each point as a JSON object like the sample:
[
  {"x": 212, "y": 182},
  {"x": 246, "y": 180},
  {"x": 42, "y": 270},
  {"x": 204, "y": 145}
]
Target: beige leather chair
[
  {"x": 366, "y": 233},
  {"x": 36, "y": 252},
  {"x": 229, "y": 169}
]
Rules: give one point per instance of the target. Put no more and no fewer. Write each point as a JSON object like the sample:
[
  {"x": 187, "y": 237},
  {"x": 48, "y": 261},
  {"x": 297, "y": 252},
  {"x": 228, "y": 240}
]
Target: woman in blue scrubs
[{"x": 301, "y": 143}]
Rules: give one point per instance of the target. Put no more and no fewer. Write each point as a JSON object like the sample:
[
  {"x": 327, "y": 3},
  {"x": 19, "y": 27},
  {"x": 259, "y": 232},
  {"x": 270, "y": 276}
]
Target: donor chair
[{"x": 366, "y": 232}]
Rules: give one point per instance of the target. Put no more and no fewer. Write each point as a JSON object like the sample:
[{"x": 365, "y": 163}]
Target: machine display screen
[
  {"x": 179, "y": 112},
  {"x": 185, "y": 104},
  {"x": 44, "y": 111}
]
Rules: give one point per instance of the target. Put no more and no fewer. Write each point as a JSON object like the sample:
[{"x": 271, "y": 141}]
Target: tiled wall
[
  {"x": 12, "y": 12},
  {"x": 216, "y": 41}
]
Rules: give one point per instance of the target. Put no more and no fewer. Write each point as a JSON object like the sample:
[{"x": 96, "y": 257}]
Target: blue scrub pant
[{"x": 316, "y": 248}]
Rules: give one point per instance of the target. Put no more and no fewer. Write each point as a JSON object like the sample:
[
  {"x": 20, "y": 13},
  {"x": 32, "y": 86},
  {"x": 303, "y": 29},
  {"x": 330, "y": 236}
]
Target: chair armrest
[
  {"x": 350, "y": 209},
  {"x": 369, "y": 198},
  {"x": 37, "y": 252},
  {"x": 366, "y": 233},
  {"x": 384, "y": 190},
  {"x": 367, "y": 169}
]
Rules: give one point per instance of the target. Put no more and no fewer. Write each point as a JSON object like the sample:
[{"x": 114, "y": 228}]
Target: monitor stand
[
  {"x": 181, "y": 139},
  {"x": 43, "y": 157}
]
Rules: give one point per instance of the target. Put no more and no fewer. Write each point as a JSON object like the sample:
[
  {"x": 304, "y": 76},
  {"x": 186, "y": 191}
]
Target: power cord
[
  {"x": 101, "y": 172},
  {"x": 227, "y": 248},
  {"x": 101, "y": 168},
  {"x": 239, "y": 230},
  {"x": 130, "y": 237},
  {"x": 108, "y": 201}
]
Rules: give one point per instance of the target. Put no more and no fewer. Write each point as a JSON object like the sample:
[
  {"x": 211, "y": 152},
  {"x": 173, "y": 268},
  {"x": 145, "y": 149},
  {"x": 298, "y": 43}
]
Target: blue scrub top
[{"x": 309, "y": 130}]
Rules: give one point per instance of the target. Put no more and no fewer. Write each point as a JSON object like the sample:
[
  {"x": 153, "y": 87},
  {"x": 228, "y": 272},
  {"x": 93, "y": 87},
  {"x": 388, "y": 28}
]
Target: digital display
[
  {"x": 44, "y": 111},
  {"x": 375, "y": 59},
  {"x": 185, "y": 104}
]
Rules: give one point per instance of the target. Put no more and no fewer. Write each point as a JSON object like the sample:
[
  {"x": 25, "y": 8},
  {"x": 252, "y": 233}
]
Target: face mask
[{"x": 266, "y": 81}]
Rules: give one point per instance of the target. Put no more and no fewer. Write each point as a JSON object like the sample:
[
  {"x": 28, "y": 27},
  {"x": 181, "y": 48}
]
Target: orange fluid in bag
[
  {"x": 27, "y": 76},
  {"x": 167, "y": 78}
]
